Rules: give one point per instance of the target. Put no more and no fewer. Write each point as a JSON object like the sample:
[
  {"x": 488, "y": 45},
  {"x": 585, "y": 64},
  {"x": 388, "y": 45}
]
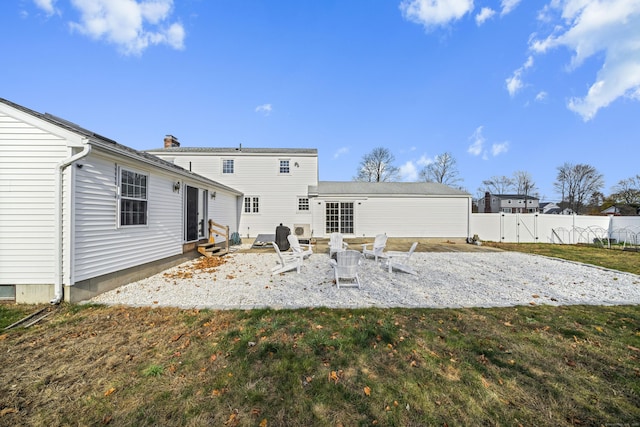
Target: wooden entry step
[{"x": 210, "y": 250}]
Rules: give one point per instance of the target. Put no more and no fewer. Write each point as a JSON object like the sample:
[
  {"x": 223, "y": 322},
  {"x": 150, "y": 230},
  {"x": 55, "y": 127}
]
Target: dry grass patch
[{"x": 93, "y": 365}]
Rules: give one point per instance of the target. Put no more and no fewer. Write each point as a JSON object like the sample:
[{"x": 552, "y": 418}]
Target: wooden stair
[{"x": 210, "y": 249}]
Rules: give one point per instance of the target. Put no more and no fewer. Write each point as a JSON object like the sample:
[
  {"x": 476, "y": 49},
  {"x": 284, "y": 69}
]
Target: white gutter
[{"x": 59, "y": 238}]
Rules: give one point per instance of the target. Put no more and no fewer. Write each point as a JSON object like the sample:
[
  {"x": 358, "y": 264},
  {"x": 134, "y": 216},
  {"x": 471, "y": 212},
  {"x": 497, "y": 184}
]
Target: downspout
[{"x": 57, "y": 284}]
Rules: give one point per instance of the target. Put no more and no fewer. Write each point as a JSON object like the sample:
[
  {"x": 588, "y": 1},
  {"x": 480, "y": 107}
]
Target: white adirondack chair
[
  {"x": 297, "y": 248},
  {"x": 286, "y": 261},
  {"x": 377, "y": 250},
  {"x": 345, "y": 267},
  {"x": 336, "y": 244},
  {"x": 398, "y": 260}
]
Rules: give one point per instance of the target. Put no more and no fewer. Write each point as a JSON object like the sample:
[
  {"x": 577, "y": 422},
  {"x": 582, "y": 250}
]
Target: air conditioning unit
[{"x": 302, "y": 231}]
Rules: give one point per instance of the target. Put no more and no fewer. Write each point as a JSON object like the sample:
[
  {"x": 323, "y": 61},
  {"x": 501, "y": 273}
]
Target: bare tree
[
  {"x": 627, "y": 191},
  {"x": 498, "y": 185},
  {"x": 443, "y": 170},
  {"x": 377, "y": 166},
  {"x": 524, "y": 186},
  {"x": 577, "y": 184}
]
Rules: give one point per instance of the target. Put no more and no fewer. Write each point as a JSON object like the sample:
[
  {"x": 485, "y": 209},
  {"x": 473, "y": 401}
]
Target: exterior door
[
  {"x": 339, "y": 218},
  {"x": 191, "y": 226}
]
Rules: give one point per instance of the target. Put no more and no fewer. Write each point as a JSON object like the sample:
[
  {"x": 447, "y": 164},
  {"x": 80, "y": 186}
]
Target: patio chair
[
  {"x": 398, "y": 260},
  {"x": 376, "y": 251},
  {"x": 345, "y": 266},
  {"x": 297, "y": 248},
  {"x": 336, "y": 244},
  {"x": 286, "y": 261}
]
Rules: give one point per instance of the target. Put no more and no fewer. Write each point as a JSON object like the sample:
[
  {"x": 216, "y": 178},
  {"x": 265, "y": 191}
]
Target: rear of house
[
  {"x": 274, "y": 181},
  {"x": 81, "y": 214},
  {"x": 399, "y": 209}
]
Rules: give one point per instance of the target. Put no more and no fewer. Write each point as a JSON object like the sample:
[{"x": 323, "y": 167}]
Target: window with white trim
[
  {"x": 284, "y": 167},
  {"x": 133, "y": 198},
  {"x": 251, "y": 204},
  {"x": 227, "y": 166},
  {"x": 303, "y": 203}
]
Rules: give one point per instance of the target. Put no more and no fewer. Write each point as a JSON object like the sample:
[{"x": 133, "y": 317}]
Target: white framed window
[
  {"x": 284, "y": 167},
  {"x": 133, "y": 201},
  {"x": 251, "y": 204},
  {"x": 303, "y": 204},
  {"x": 227, "y": 166}
]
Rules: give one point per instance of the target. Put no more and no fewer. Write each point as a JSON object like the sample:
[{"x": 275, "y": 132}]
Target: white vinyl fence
[{"x": 563, "y": 229}]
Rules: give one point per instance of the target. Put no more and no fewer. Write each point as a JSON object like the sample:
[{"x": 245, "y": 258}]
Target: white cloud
[
  {"x": 499, "y": 148},
  {"x": 477, "y": 146},
  {"x": 485, "y": 14},
  {"x": 541, "y": 96},
  {"x": 589, "y": 28},
  {"x": 409, "y": 171},
  {"x": 340, "y": 151},
  {"x": 264, "y": 109},
  {"x": 508, "y": 6},
  {"x": 424, "y": 161},
  {"x": 48, "y": 6},
  {"x": 131, "y": 25},
  {"x": 433, "y": 13},
  {"x": 514, "y": 83}
]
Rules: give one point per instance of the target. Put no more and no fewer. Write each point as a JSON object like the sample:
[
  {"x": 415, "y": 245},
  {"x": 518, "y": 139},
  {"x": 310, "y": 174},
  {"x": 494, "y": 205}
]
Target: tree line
[{"x": 580, "y": 185}]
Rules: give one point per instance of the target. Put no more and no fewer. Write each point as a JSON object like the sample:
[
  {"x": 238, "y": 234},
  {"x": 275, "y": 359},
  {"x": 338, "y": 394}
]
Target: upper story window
[
  {"x": 284, "y": 166},
  {"x": 227, "y": 166},
  {"x": 133, "y": 198},
  {"x": 303, "y": 203}
]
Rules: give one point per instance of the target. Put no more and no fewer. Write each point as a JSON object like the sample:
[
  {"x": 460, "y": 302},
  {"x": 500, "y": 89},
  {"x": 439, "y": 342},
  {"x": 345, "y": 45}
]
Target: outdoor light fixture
[
  {"x": 213, "y": 195},
  {"x": 176, "y": 187}
]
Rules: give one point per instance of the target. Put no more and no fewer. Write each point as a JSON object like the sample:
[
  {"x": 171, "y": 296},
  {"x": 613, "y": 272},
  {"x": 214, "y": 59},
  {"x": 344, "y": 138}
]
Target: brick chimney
[
  {"x": 171, "y": 141},
  {"x": 487, "y": 202}
]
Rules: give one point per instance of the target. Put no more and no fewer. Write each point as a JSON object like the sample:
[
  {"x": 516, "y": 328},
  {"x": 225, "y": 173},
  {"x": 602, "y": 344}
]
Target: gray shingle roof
[
  {"x": 110, "y": 144},
  {"x": 236, "y": 150},
  {"x": 357, "y": 188}
]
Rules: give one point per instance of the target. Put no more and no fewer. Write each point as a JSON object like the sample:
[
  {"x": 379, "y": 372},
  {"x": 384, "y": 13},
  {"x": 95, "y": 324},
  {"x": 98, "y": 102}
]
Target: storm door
[{"x": 191, "y": 230}]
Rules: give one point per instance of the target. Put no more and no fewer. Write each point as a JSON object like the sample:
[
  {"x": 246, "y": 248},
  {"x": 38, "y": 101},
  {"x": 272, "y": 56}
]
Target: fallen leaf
[
  {"x": 263, "y": 423},
  {"x": 110, "y": 391},
  {"x": 334, "y": 377},
  {"x": 6, "y": 411},
  {"x": 485, "y": 383},
  {"x": 367, "y": 391}
]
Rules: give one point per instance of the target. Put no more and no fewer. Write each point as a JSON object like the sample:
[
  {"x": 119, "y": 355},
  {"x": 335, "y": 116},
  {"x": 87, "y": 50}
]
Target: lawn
[{"x": 528, "y": 365}]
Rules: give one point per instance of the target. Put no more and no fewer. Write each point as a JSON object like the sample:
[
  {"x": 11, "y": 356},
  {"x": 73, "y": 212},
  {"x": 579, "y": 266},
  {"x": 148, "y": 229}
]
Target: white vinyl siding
[
  {"x": 28, "y": 159},
  {"x": 258, "y": 174},
  {"x": 100, "y": 247},
  {"x": 402, "y": 216}
]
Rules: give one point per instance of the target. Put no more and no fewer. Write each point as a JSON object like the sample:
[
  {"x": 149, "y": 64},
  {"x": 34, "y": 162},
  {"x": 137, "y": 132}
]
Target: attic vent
[{"x": 302, "y": 230}]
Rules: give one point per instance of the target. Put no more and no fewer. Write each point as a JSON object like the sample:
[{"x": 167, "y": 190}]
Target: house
[
  {"x": 508, "y": 203},
  {"x": 281, "y": 186},
  {"x": 81, "y": 214},
  {"x": 399, "y": 209},
  {"x": 274, "y": 182},
  {"x": 550, "y": 208}
]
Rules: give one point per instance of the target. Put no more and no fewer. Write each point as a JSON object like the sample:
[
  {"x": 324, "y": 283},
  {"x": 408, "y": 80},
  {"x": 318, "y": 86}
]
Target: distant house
[
  {"x": 508, "y": 203},
  {"x": 81, "y": 214},
  {"x": 550, "y": 208}
]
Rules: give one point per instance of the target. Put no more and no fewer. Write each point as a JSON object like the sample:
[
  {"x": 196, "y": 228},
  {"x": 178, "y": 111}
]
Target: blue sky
[{"x": 503, "y": 86}]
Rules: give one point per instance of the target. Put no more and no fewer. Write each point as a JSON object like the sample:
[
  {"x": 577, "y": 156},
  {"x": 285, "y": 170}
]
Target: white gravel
[{"x": 451, "y": 279}]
